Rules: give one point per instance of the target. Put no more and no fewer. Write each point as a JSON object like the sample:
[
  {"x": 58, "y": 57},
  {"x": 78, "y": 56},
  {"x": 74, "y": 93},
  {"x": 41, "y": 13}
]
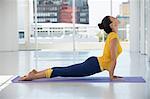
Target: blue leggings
[{"x": 87, "y": 68}]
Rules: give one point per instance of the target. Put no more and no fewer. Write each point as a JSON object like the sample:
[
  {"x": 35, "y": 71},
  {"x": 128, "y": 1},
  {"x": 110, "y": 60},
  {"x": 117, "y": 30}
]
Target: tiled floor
[{"x": 18, "y": 63}]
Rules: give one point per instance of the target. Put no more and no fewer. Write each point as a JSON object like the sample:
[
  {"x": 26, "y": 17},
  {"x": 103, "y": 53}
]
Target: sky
[{"x": 100, "y": 8}]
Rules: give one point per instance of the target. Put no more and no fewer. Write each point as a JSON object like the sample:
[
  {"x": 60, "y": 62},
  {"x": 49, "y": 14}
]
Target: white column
[
  {"x": 31, "y": 11},
  {"x": 8, "y": 25},
  {"x": 142, "y": 28},
  {"x": 148, "y": 28},
  {"x": 134, "y": 26},
  {"x": 27, "y": 23},
  {"x": 74, "y": 22}
]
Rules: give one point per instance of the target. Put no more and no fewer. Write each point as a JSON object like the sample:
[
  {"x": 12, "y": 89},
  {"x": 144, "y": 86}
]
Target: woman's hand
[
  {"x": 118, "y": 77},
  {"x": 115, "y": 77}
]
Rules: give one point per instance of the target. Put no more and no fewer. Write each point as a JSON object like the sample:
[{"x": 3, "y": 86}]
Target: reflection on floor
[{"x": 19, "y": 63}]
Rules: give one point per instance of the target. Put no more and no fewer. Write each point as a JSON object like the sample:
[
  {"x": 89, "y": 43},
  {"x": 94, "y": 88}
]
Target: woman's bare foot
[
  {"x": 33, "y": 72},
  {"x": 34, "y": 75},
  {"x": 30, "y": 76}
]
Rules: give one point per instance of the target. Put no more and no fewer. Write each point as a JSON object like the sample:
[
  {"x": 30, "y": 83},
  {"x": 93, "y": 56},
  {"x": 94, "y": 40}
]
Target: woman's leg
[
  {"x": 37, "y": 74},
  {"x": 87, "y": 68}
]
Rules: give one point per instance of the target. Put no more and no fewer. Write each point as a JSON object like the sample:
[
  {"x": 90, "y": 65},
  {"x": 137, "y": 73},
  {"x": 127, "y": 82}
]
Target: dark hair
[{"x": 105, "y": 24}]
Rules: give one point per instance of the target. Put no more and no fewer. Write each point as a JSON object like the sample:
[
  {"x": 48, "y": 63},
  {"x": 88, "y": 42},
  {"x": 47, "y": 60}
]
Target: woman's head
[{"x": 108, "y": 24}]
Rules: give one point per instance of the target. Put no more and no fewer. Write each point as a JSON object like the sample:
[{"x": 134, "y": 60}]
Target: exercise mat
[{"x": 83, "y": 80}]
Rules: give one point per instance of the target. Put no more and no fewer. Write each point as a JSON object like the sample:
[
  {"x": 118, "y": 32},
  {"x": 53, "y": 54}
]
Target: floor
[{"x": 19, "y": 63}]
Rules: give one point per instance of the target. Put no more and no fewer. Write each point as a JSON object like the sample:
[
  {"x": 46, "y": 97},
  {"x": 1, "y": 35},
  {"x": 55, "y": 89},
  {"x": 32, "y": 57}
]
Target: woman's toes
[
  {"x": 34, "y": 71},
  {"x": 26, "y": 78},
  {"x": 23, "y": 78}
]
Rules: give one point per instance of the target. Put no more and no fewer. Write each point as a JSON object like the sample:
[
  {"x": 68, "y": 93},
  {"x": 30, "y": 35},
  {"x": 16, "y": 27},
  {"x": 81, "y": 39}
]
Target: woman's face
[{"x": 114, "y": 21}]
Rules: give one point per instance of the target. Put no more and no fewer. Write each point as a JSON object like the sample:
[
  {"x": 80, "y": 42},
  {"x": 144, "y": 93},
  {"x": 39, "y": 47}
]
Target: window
[
  {"x": 51, "y": 17},
  {"x": 82, "y": 20},
  {"x": 83, "y": 14}
]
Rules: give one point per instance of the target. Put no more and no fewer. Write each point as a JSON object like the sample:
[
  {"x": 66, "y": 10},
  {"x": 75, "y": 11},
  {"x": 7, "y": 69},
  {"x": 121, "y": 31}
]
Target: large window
[{"x": 69, "y": 24}]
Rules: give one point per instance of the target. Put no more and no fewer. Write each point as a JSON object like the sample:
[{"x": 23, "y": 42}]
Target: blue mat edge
[{"x": 81, "y": 79}]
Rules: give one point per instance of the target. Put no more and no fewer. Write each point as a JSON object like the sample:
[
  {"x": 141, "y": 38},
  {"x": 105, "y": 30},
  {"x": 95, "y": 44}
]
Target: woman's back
[{"x": 105, "y": 59}]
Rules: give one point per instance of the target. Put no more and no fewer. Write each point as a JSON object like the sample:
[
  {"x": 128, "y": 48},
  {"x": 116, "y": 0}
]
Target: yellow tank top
[{"x": 105, "y": 59}]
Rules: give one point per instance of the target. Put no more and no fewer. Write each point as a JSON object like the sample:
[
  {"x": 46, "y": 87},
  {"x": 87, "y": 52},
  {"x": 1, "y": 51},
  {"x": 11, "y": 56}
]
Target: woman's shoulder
[{"x": 112, "y": 35}]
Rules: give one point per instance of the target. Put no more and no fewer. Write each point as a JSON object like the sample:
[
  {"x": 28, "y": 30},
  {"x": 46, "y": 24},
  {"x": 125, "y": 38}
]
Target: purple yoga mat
[{"x": 84, "y": 80}]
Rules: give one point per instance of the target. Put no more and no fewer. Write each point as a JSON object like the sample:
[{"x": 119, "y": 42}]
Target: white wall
[
  {"x": 21, "y": 11},
  {"x": 8, "y": 25},
  {"x": 148, "y": 26},
  {"x": 25, "y": 19},
  {"x": 134, "y": 26},
  {"x": 140, "y": 26}
]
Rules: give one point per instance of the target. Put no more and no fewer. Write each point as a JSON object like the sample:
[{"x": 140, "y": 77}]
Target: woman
[{"x": 92, "y": 65}]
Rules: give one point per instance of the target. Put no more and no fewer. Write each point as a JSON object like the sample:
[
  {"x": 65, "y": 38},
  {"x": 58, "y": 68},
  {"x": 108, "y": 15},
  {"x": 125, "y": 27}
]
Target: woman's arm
[{"x": 113, "y": 52}]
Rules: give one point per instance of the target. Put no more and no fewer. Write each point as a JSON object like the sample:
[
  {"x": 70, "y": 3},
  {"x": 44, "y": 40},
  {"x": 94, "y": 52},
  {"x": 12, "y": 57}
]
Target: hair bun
[{"x": 100, "y": 25}]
